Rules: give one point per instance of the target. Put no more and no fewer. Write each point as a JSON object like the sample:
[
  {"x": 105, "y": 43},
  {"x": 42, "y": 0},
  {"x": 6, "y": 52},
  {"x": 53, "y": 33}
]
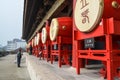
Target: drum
[
  {"x": 60, "y": 27},
  {"x": 111, "y": 9},
  {"x": 28, "y": 45},
  {"x": 44, "y": 35},
  {"x": 37, "y": 38},
  {"x": 87, "y": 13},
  {"x": 34, "y": 41}
]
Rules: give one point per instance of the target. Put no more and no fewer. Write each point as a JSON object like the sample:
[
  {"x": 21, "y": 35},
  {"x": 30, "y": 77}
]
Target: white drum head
[
  {"x": 54, "y": 26},
  {"x": 32, "y": 42},
  {"x": 44, "y": 35},
  {"x": 87, "y": 14},
  {"x": 35, "y": 41},
  {"x": 28, "y": 45},
  {"x": 37, "y": 38}
]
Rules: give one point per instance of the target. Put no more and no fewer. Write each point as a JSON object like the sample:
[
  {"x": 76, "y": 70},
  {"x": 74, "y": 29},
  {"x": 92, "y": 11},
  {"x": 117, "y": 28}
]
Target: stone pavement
[
  {"x": 10, "y": 71},
  {"x": 43, "y": 70}
]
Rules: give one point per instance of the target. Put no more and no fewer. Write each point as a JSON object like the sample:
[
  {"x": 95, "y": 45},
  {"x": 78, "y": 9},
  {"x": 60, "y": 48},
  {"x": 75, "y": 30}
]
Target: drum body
[
  {"x": 60, "y": 27},
  {"x": 111, "y": 9}
]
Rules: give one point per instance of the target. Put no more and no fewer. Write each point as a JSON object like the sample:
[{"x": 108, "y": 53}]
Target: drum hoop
[{"x": 54, "y": 29}]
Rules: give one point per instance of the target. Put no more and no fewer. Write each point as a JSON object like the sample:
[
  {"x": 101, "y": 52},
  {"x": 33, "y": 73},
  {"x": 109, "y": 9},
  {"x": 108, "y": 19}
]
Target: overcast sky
[{"x": 11, "y": 20}]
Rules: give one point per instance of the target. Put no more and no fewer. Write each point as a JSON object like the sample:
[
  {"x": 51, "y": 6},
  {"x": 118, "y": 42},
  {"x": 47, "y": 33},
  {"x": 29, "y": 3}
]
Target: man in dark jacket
[{"x": 19, "y": 55}]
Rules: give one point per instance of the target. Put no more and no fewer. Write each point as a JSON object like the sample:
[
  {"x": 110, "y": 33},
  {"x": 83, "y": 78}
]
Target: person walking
[{"x": 19, "y": 56}]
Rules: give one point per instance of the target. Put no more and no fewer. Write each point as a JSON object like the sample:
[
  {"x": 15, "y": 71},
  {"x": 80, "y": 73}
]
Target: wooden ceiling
[{"x": 35, "y": 11}]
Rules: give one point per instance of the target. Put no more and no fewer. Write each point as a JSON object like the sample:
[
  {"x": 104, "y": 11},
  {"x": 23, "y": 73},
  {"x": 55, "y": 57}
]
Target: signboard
[{"x": 89, "y": 43}]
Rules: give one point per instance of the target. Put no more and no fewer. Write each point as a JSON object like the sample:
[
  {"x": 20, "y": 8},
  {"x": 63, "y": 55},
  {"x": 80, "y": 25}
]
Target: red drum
[
  {"x": 45, "y": 34},
  {"x": 60, "y": 27},
  {"x": 28, "y": 45},
  {"x": 38, "y": 39},
  {"x": 35, "y": 40},
  {"x": 88, "y": 13},
  {"x": 32, "y": 42}
]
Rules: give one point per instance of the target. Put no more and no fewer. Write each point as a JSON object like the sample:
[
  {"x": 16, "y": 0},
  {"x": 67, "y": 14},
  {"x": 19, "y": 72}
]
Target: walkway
[
  {"x": 43, "y": 70},
  {"x": 10, "y": 71}
]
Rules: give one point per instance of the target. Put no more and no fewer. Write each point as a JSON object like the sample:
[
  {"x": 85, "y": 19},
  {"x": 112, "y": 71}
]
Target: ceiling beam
[{"x": 48, "y": 15}]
